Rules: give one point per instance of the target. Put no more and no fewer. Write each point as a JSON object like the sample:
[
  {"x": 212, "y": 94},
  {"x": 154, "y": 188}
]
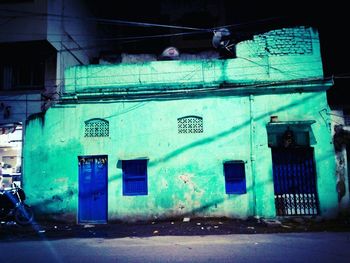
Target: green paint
[
  {"x": 37, "y": 116},
  {"x": 185, "y": 171},
  {"x": 254, "y": 64}
]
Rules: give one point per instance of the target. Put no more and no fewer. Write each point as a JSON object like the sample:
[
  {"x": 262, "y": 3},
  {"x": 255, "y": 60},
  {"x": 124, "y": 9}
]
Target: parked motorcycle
[{"x": 12, "y": 206}]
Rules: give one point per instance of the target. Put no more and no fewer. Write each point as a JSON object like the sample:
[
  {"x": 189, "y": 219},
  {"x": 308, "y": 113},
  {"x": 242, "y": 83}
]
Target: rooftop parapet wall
[
  {"x": 278, "y": 55},
  {"x": 281, "y": 42}
]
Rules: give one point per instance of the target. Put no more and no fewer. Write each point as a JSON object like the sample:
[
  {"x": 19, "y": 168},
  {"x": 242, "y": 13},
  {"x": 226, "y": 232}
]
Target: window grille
[
  {"x": 96, "y": 128},
  {"x": 22, "y": 76},
  {"x": 190, "y": 124},
  {"x": 135, "y": 177},
  {"x": 235, "y": 182}
]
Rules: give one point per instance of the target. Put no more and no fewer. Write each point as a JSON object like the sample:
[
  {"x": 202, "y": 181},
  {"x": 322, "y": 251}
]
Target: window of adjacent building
[
  {"x": 96, "y": 128},
  {"x": 22, "y": 76},
  {"x": 190, "y": 124},
  {"x": 235, "y": 182},
  {"x": 15, "y": 1},
  {"x": 346, "y": 117},
  {"x": 134, "y": 177}
]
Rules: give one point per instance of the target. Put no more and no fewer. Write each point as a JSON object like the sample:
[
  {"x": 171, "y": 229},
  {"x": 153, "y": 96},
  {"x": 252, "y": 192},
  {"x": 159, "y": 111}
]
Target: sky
[{"x": 331, "y": 18}]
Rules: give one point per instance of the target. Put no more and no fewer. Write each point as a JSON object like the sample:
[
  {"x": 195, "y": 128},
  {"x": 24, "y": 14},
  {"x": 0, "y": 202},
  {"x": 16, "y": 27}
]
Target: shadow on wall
[
  {"x": 43, "y": 211},
  {"x": 41, "y": 208},
  {"x": 197, "y": 143},
  {"x": 59, "y": 200}
]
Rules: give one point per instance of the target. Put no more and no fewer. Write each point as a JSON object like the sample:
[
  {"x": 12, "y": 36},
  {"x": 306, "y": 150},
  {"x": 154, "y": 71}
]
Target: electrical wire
[
  {"x": 151, "y": 93},
  {"x": 140, "y": 38},
  {"x": 342, "y": 77},
  {"x": 104, "y": 20},
  {"x": 103, "y": 67},
  {"x": 138, "y": 24},
  {"x": 130, "y": 38},
  {"x": 243, "y": 24}
]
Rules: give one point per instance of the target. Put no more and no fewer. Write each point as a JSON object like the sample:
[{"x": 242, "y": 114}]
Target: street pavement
[
  {"x": 178, "y": 240},
  {"x": 318, "y": 247},
  {"x": 172, "y": 227}
]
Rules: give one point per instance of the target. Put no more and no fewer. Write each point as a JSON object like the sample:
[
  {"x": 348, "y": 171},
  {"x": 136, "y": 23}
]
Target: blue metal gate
[
  {"x": 93, "y": 189},
  {"x": 294, "y": 179}
]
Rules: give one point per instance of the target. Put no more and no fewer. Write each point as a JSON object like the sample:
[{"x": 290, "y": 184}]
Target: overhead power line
[
  {"x": 104, "y": 20},
  {"x": 128, "y": 39},
  {"x": 151, "y": 93},
  {"x": 254, "y": 22},
  {"x": 131, "y": 38}
]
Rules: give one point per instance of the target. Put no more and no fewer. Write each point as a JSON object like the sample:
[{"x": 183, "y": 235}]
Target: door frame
[
  {"x": 79, "y": 221},
  {"x": 296, "y": 194}
]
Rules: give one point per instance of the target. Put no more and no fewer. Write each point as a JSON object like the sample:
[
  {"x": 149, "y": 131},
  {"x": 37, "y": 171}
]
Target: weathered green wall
[
  {"x": 279, "y": 55},
  {"x": 185, "y": 172}
]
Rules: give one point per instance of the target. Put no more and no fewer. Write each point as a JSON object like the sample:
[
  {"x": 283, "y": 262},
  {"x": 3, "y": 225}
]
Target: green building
[{"x": 248, "y": 136}]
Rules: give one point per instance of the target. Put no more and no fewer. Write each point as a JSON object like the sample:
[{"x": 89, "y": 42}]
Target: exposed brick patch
[{"x": 281, "y": 42}]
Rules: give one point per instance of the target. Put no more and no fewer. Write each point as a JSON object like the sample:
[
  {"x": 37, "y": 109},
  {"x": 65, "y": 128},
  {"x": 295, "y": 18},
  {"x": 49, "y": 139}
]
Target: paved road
[{"x": 284, "y": 247}]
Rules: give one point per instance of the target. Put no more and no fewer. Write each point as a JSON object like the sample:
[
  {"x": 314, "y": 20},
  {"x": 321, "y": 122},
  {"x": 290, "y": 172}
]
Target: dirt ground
[{"x": 180, "y": 226}]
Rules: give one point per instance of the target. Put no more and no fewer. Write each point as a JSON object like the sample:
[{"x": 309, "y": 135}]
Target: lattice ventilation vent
[
  {"x": 190, "y": 124},
  {"x": 96, "y": 128}
]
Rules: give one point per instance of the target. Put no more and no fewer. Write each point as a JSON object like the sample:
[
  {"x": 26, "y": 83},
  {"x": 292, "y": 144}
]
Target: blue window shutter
[
  {"x": 235, "y": 181},
  {"x": 135, "y": 177}
]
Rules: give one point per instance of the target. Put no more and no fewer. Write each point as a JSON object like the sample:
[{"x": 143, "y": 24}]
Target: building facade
[
  {"x": 219, "y": 137},
  {"x": 38, "y": 40}
]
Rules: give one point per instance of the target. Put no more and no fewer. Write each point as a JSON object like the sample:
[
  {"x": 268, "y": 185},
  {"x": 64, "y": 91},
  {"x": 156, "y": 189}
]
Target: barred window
[
  {"x": 190, "y": 124},
  {"x": 135, "y": 177},
  {"x": 235, "y": 182},
  {"x": 96, "y": 128}
]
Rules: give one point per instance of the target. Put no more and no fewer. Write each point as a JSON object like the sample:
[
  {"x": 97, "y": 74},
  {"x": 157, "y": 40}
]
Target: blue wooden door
[{"x": 93, "y": 189}]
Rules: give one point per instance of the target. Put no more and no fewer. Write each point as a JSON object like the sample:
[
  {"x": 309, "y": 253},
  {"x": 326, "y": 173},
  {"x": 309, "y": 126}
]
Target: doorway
[
  {"x": 93, "y": 189},
  {"x": 294, "y": 178}
]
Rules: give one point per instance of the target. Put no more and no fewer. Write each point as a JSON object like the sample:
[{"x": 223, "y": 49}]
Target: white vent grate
[
  {"x": 190, "y": 124},
  {"x": 96, "y": 128}
]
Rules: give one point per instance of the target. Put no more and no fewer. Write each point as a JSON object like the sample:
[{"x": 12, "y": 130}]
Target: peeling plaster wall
[
  {"x": 286, "y": 41},
  {"x": 255, "y": 62},
  {"x": 341, "y": 173},
  {"x": 185, "y": 171}
]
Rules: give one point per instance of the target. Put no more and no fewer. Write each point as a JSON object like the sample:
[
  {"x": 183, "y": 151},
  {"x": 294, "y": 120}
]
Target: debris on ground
[
  {"x": 271, "y": 222},
  {"x": 174, "y": 226},
  {"x": 88, "y": 226},
  {"x": 286, "y": 226}
]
